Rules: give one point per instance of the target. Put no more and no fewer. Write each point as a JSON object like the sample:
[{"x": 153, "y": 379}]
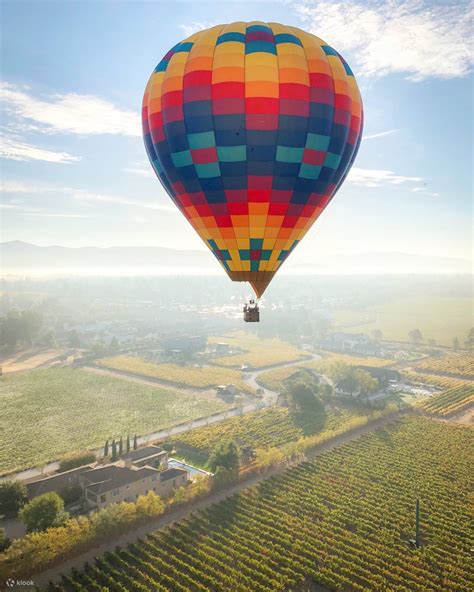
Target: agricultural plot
[
  {"x": 433, "y": 379},
  {"x": 441, "y": 319},
  {"x": 49, "y": 413},
  {"x": 454, "y": 364},
  {"x": 330, "y": 358},
  {"x": 341, "y": 521},
  {"x": 453, "y": 400},
  {"x": 257, "y": 352},
  {"x": 268, "y": 428},
  {"x": 192, "y": 376}
]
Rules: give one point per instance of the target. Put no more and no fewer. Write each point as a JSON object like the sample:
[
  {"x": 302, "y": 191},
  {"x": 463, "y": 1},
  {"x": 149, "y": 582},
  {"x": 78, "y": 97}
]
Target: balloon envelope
[{"x": 252, "y": 128}]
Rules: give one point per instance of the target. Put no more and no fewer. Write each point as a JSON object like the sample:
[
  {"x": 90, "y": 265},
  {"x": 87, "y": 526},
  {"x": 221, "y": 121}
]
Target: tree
[
  {"x": 302, "y": 399},
  {"x": 114, "y": 451},
  {"x": 106, "y": 448},
  {"x": 120, "y": 451},
  {"x": 455, "y": 344},
  {"x": 4, "y": 541},
  {"x": 226, "y": 455},
  {"x": 470, "y": 339},
  {"x": 76, "y": 460},
  {"x": 415, "y": 335},
  {"x": 128, "y": 443},
  {"x": 351, "y": 380},
  {"x": 73, "y": 339},
  {"x": 150, "y": 505},
  {"x": 377, "y": 334},
  {"x": 135, "y": 442},
  {"x": 19, "y": 326},
  {"x": 367, "y": 384},
  {"x": 71, "y": 494},
  {"x": 43, "y": 511},
  {"x": 13, "y": 497}
]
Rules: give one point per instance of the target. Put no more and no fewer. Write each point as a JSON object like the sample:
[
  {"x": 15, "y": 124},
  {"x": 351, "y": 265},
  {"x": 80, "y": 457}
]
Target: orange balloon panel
[{"x": 252, "y": 128}]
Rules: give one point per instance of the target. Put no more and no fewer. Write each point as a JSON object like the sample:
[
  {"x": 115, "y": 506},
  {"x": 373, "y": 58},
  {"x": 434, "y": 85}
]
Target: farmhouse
[
  {"x": 136, "y": 473},
  {"x": 359, "y": 343},
  {"x": 58, "y": 482},
  {"x": 124, "y": 483},
  {"x": 153, "y": 456},
  {"x": 384, "y": 375}
]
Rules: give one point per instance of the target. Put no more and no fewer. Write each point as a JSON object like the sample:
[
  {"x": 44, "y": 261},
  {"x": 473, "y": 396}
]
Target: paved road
[
  {"x": 78, "y": 562},
  {"x": 269, "y": 398}
]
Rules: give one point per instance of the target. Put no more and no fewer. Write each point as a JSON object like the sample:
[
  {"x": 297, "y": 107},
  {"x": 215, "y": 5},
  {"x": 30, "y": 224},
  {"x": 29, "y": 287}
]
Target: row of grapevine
[
  {"x": 433, "y": 379},
  {"x": 271, "y": 427},
  {"x": 451, "y": 401},
  {"x": 455, "y": 364},
  {"x": 341, "y": 521}
]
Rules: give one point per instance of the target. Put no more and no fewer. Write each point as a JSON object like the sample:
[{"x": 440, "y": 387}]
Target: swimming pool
[{"x": 193, "y": 471}]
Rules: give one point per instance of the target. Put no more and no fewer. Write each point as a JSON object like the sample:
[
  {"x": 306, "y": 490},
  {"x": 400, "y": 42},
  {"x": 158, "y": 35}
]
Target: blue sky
[{"x": 74, "y": 170}]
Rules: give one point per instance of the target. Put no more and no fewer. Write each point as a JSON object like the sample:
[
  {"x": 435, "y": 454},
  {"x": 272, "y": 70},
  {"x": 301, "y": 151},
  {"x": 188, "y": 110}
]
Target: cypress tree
[
  {"x": 135, "y": 443},
  {"x": 114, "y": 451},
  {"x": 128, "y": 443},
  {"x": 106, "y": 448},
  {"x": 120, "y": 446}
]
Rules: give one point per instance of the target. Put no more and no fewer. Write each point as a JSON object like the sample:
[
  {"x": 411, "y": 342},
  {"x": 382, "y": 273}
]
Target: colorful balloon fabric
[{"x": 252, "y": 128}]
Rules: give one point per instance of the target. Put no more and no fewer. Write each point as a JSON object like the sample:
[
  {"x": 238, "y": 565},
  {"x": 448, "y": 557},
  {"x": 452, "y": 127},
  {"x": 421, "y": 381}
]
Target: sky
[{"x": 74, "y": 171}]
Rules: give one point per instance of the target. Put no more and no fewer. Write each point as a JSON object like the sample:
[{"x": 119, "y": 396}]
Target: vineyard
[
  {"x": 268, "y": 428},
  {"x": 255, "y": 352},
  {"x": 454, "y": 364},
  {"x": 187, "y": 375},
  {"x": 49, "y": 413},
  {"x": 433, "y": 379},
  {"x": 341, "y": 521},
  {"x": 454, "y": 400}
]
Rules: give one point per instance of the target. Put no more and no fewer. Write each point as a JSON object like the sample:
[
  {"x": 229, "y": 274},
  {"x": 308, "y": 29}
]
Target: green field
[
  {"x": 342, "y": 522},
  {"x": 49, "y": 413},
  {"x": 441, "y": 319},
  {"x": 186, "y": 375}
]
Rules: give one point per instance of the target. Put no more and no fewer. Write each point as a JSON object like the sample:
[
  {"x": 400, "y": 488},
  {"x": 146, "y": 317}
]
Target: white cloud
[
  {"x": 408, "y": 37},
  {"x": 19, "y": 187},
  {"x": 190, "y": 28},
  {"x": 424, "y": 191},
  {"x": 141, "y": 170},
  {"x": 377, "y": 178},
  {"x": 68, "y": 113},
  {"x": 55, "y": 215},
  {"x": 379, "y": 135},
  {"x": 114, "y": 199},
  {"x": 15, "y": 150}
]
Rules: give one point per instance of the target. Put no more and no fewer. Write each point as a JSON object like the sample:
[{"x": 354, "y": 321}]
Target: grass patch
[
  {"x": 49, "y": 413},
  {"x": 441, "y": 319}
]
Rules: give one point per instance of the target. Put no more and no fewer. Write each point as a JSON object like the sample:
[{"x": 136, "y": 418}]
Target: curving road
[{"x": 269, "y": 398}]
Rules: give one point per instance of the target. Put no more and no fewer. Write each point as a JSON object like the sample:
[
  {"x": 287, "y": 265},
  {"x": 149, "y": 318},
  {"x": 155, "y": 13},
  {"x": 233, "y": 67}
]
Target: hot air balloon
[{"x": 252, "y": 128}]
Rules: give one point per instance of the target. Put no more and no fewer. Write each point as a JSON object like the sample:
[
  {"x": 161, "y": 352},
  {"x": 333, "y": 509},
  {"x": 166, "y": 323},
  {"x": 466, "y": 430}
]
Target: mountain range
[{"x": 22, "y": 257}]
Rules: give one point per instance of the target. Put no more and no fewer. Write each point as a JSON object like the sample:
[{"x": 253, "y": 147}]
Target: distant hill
[
  {"x": 21, "y": 257},
  {"x": 18, "y": 255}
]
